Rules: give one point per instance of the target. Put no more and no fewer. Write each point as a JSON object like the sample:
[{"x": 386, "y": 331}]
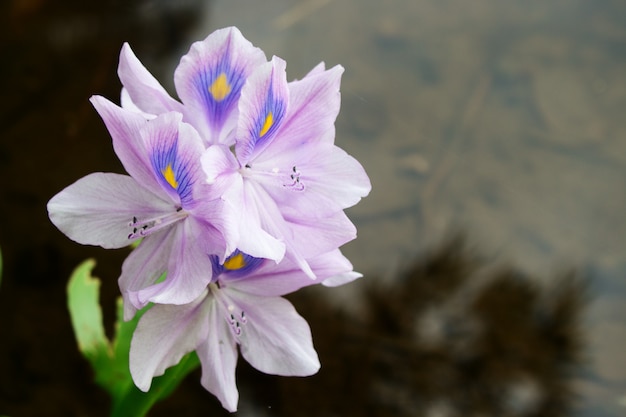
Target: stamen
[
  {"x": 236, "y": 323},
  {"x": 295, "y": 185},
  {"x": 294, "y": 182},
  {"x": 144, "y": 227},
  {"x": 235, "y": 317}
]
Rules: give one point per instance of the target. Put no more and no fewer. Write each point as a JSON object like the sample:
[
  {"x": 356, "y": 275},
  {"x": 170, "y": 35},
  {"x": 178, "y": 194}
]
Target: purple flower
[
  {"x": 287, "y": 180},
  {"x": 164, "y": 201},
  {"x": 241, "y": 306},
  {"x": 246, "y": 161},
  {"x": 208, "y": 81}
]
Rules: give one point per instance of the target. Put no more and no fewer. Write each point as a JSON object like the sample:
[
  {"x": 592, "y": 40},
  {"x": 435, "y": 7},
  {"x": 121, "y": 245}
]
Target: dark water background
[{"x": 503, "y": 119}]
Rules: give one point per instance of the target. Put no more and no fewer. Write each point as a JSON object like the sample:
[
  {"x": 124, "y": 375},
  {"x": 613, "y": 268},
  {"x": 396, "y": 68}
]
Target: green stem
[{"x": 137, "y": 403}]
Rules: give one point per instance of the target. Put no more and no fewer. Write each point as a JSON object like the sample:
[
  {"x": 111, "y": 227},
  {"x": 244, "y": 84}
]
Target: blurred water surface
[
  {"x": 501, "y": 118},
  {"x": 505, "y": 119}
]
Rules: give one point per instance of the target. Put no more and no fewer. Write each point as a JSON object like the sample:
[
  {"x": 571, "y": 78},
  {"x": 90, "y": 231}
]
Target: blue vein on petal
[
  {"x": 219, "y": 105},
  {"x": 166, "y": 159},
  {"x": 241, "y": 265},
  {"x": 273, "y": 108}
]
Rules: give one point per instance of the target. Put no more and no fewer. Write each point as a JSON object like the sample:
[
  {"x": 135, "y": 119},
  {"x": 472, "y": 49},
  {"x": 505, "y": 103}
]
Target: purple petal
[
  {"x": 163, "y": 336},
  {"x": 273, "y": 279},
  {"x": 143, "y": 267},
  {"x": 218, "y": 356},
  {"x": 221, "y": 231},
  {"x": 261, "y": 205},
  {"x": 209, "y": 81},
  {"x": 124, "y": 127},
  {"x": 253, "y": 238},
  {"x": 314, "y": 237},
  {"x": 143, "y": 89},
  {"x": 189, "y": 267},
  {"x": 314, "y": 104},
  {"x": 318, "y": 69},
  {"x": 263, "y": 105},
  {"x": 313, "y": 179},
  {"x": 220, "y": 166},
  {"x": 341, "y": 279},
  {"x": 127, "y": 104},
  {"x": 174, "y": 150},
  {"x": 275, "y": 339},
  {"x": 98, "y": 209}
]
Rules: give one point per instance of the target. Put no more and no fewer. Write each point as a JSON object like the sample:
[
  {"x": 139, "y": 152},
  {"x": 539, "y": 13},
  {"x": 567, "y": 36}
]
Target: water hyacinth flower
[
  {"x": 242, "y": 306},
  {"x": 165, "y": 202},
  {"x": 287, "y": 181},
  {"x": 286, "y": 177},
  {"x": 208, "y": 81},
  {"x": 237, "y": 192}
]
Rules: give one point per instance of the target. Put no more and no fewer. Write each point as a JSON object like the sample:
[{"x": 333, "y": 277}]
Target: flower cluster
[{"x": 237, "y": 194}]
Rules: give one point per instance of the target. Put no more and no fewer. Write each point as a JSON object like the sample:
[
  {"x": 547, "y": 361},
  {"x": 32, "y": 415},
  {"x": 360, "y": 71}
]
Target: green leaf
[
  {"x": 109, "y": 360},
  {"x": 86, "y": 314}
]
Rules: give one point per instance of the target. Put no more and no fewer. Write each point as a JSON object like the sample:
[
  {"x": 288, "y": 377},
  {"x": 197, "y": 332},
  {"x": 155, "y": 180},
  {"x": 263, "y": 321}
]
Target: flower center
[
  {"x": 237, "y": 265},
  {"x": 267, "y": 124},
  {"x": 145, "y": 227},
  {"x": 235, "y": 262},
  {"x": 170, "y": 177},
  {"x": 220, "y": 88}
]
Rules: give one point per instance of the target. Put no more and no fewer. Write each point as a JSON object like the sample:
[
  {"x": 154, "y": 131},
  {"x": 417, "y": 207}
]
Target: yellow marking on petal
[
  {"x": 170, "y": 177},
  {"x": 235, "y": 262},
  {"x": 269, "y": 121},
  {"x": 220, "y": 88}
]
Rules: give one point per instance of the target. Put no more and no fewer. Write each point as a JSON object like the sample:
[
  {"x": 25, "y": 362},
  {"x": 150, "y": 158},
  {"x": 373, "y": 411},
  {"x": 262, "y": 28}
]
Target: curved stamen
[
  {"x": 235, "y": 317},
  {"x": 294, "y": 182},
  {"x": 144, "y": 227}
]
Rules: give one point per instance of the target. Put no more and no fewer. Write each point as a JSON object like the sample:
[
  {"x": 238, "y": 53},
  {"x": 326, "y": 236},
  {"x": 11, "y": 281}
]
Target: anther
[
  {"x": 295, "y": 178},
  {"x": 144, "y": 227}
]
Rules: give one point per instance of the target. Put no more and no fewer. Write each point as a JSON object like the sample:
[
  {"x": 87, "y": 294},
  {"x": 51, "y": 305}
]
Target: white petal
[
  {"x": 254, "y": 238},
  {"x": 331, "y": 180},
  {"x": 142, "y": 88},
  {"x": 125, "y": 128},
  {"x": 97, "y": 209},
  {"x": 218, "y": 355},
  {"x": 142, "y": 268},
  {"x": 189, "y": 267},
  {"x": 341, "y": 279},
  {"x": 275, "y": 339},
  {"x": 163, "y": 336}
]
